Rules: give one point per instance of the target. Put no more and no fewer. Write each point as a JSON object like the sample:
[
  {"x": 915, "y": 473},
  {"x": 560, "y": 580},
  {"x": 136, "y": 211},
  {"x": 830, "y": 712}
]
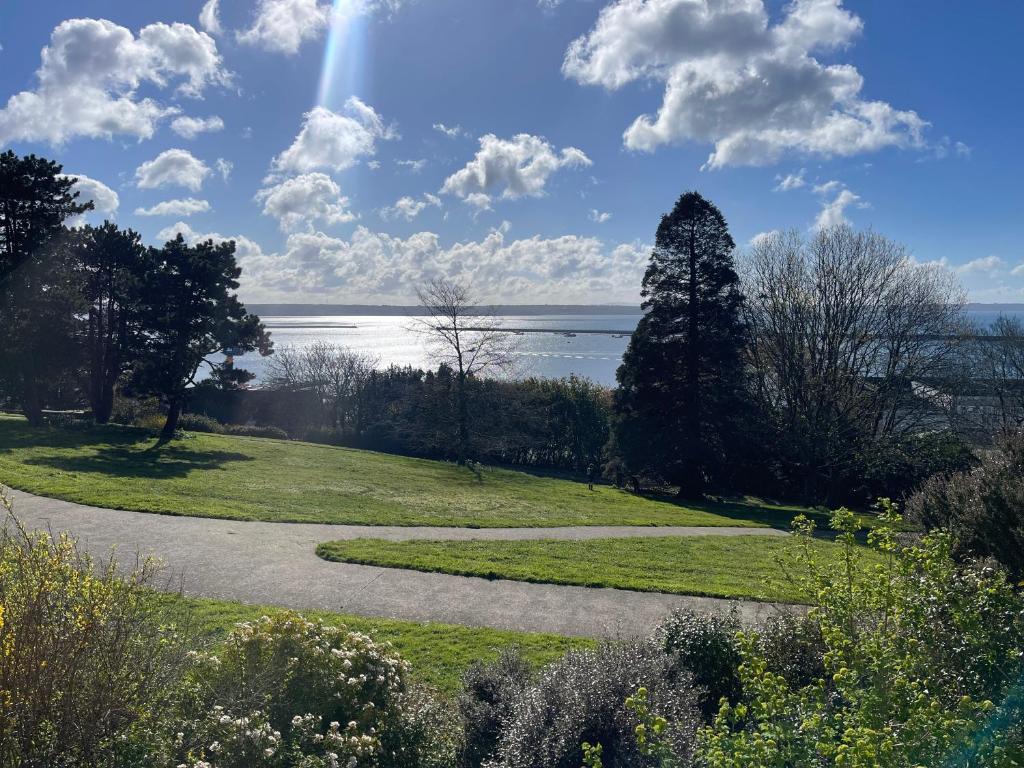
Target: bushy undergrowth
[
  {"x": 488, "y": 694},
  {"x": 983, "y": 508}
]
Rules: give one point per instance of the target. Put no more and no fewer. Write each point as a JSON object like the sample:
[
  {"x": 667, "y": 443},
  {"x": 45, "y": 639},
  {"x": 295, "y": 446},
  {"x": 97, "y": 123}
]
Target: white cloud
[
  {"x": 224, "y": 168},
  {"x": 452, "y": 132},
  {"x": 761, "y": 236},
  {"x": 190, "y": 127},
  {"x": 599, "y": 216},
  {"x": 103, "y": 198},
  {"x": 209, "y": 17},
  {"x": 733, "y": 79},
  {"x": 827, "y": 187},
  {"x": 790, "y": 181},
  {"x": 334, "y": 141},
  {"x": 833, "y": 212},
  {"x": 244, "y": 247},
  {"x": 517, "y": 167},
  {"x": 300, "y": 201},
  {"x": 177, "y": 167},
  {"x": 1018, "y": 271},
  {"x": 90, "y": 73},
  {"x": 409, "y": 208},
  {"x": 414, "y": 166},
  {"x": 282, "y": 26},
  {"x": 183, "y": 207},
  {"x": 387, "y": 268},
  {"x": 986, "y": 265}
]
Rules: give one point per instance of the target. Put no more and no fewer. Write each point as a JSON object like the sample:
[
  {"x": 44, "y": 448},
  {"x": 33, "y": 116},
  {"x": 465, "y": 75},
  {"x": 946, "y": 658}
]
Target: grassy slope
[
  {"x": 439, "y": 653},
  {"x": 739, "y": 566},
  {"x": 259, "y": 479}
]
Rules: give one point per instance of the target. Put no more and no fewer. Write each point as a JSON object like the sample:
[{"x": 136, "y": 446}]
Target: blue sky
[{"x": 527, "y": 147}]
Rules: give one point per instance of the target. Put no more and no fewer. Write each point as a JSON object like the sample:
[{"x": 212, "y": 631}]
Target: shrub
[
  {"x": 581, "y": 698},
  {"x": 131, "y": 410},
  {"x": 84, "y": 670},
  {"x": 485, "y": 701},
  {"x": 194, "y": 422},
  {"x": 285, "y": 691},
  {"x": 256, "y": 431},
  {"x": 983, "y": 509},
  {"x": 917, "y": 649}
]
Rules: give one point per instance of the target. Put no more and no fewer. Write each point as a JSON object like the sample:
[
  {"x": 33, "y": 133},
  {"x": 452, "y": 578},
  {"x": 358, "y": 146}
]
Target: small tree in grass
[
  {"x": 191, "y": 314},
  {"x": 467, "y": 341}
]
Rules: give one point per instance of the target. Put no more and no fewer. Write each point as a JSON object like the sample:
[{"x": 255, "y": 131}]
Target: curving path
[{"x": 275, "y": 563}]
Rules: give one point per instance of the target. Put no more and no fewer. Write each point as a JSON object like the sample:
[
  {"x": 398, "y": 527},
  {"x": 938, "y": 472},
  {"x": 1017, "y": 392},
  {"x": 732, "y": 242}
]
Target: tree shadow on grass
[{"x": 157, "y": 463}]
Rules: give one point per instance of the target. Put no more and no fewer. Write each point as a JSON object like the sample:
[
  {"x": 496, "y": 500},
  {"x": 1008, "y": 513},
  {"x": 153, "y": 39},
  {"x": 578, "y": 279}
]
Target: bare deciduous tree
[
  {"x": 470, "y": 342},
  {"x": 842, "y": 327}
]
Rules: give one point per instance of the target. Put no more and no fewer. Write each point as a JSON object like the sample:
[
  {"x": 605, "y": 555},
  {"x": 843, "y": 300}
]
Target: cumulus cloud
[
  {"x": 90, "y": 73},
  {"x": 329, "y": 140},
  {"x": 733, "y": 79},
  {"x": 599, "y": 216},
  {"x": 103, "y": 198},
  {"x": 517, "y": 167},
  {"x": 569, "y": 268},
  {"x": 790, "y": 181},
  {"x": 409, "y": 208},
  {"x": 209, "y": 17},
  {"x": 224, "y": 168},
  {"x": 414, "y": 166},
  {"x": 183, "y": 207},
  {"x": 302, "y": 200},
  {"x": 833, "y": 212},
  {"x": 986, "y": 265},
  {"x": 282, "y": 26},
  {"x": 190, "y": 127},
  {"x": 244, "y": 247},
  {"x": 173, "y": 167}
]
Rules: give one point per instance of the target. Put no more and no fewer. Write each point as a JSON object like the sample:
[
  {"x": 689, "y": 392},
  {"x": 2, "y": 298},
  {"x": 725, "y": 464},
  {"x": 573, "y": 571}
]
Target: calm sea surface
[{"x": 390, "y": 341}]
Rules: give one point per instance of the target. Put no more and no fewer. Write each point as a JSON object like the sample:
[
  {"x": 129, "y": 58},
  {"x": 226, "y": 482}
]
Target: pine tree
[{"x": 681, "y": 380}]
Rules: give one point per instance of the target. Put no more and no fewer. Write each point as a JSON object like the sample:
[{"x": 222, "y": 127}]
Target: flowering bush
[
  {"x": 84, "y": 670},
  {"x": 920, "y": 659},
  {"x": 285, "y": 691}
]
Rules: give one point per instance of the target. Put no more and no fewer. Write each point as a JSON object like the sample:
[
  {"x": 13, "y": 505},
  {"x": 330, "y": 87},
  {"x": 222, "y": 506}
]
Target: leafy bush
[
  {"x": 285, "y": 691},
  {"x": 255, "y": 431},
  {"x": 982, "y": 509},
  {"x": 194, "y": 422},
  {"x": 131, "y": 410},
  {"x": 897, "y": 467},
  {"x": 581, "y": 698},
  {"x": 485, "y": 702},
  {"x": 84, "y": 670},
  {"x": 917, "y": 649}
]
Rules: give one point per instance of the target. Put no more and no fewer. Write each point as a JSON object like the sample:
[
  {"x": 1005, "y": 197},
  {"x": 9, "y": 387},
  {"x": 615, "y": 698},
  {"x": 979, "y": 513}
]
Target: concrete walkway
[{"x": 275, "y": 564}]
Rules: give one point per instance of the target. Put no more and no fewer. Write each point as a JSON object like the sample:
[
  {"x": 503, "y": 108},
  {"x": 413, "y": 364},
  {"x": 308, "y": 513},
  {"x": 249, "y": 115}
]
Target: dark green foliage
[
  {"x": 39, "y": 282},
  {"x": 488, "y": 693},
  {"x": 896, "y": 467},
  {"x": 115, "y": 265},
  {"x": 681, "y": 379},
  {"x": 581, "y": 698},
  {"x": 255, "y": 431},
  {"x": 983, "y": 508},
  {"x": 194, "y": 422},
  {"x": 192, "y": 315}
]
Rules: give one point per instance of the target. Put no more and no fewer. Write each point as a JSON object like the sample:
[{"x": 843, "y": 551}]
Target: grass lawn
[
  {"x": 438, "y": 653},
  {"x": 245, "y": 478},
  {"x": 737, "y": 566}
]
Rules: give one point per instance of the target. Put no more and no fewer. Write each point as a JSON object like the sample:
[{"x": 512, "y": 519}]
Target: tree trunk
[
  {"x": 31, "y": 404},
  {"x": 171, "y": 425},
  {"x": 103, "y": 407},
  {"x": 463, "y": 419}
]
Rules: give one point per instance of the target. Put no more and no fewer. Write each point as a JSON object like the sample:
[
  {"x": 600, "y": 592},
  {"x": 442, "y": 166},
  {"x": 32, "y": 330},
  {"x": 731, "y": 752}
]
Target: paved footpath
[{"x": 275, "y": 564}]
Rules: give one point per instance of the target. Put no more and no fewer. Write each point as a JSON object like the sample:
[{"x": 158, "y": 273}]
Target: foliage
[
  {"x": 194, "y": 422},
  {"x": 489, "y": 691},
  {"x": 286, "y": 691},
  {"x": 983, "y": 509},
  {"x": 246, "y": 430},
  {"x": 193, "y": 313},
  {"x": 681, "y": 379},
  {"x": 581, "y": 698},
  {"x": 85, "y": 673},
  {"x": 899, "y": 465},
  {"x": 39, "y": 300},
  {"x": 917, "y": 649}
]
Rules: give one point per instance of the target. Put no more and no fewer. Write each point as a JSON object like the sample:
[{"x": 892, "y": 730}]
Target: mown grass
[
  {"x": 438, "y": 653},
  {"x": 245, "y": 478},
  {"x": 752, "y": 567}
]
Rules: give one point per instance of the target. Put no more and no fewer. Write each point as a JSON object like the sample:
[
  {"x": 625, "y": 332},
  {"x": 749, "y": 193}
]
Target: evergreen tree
[
  {"x": 40, "y": 285},
  {"x": 116, "y": 263},
  {"x": 681, "y": 380},
  {"x": 192, "y": 313}
]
